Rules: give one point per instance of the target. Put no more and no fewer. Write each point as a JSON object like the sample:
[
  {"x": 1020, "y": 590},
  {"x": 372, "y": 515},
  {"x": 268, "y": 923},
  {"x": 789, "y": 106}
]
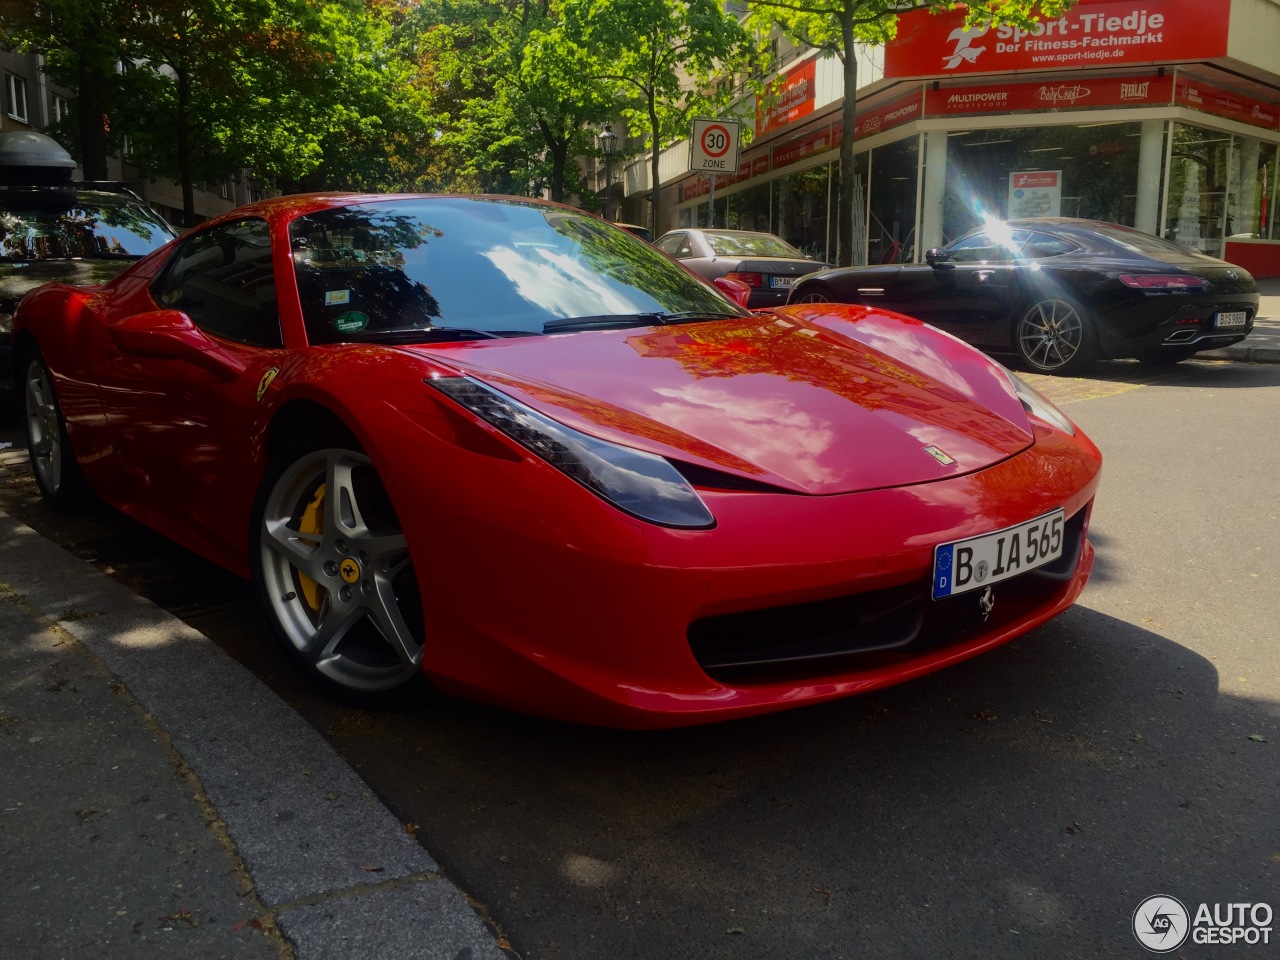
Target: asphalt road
[{"x": 1020, "y": 805}]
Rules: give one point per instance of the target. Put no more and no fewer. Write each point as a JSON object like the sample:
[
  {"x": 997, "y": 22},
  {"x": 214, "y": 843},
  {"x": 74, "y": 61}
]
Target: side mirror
[
  {"x": 170, "y": 335},
  {"x": 735, "y": 290},
  {"x": 937, "y": 257}
]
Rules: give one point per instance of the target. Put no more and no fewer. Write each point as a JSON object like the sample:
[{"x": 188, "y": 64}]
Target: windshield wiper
[
  {"x": 435, "y": 334},
  {"x": 616, "y": 320}
]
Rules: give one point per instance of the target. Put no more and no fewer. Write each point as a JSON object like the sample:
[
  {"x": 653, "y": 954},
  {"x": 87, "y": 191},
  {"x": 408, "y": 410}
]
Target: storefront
[{"x": 1164, "y": 116}]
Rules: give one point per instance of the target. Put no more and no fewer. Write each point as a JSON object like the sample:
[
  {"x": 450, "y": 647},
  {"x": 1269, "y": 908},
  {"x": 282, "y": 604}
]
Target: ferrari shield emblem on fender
[
  {"x": 266, "y": 381},
  {"x": 986, "y": 603}
]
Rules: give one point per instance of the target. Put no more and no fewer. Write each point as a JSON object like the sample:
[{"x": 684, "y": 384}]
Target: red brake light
[
  {"x": 750, "y": 279},
  {"x": 1164, "y": 281}
]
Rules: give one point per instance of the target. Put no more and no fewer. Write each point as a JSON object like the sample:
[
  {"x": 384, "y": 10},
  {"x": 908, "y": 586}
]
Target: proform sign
[{"x": 713, "y": 146}]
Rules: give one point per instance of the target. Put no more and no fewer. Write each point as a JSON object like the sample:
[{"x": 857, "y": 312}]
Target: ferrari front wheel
[
  {"x": 1054, "y": 335},
  {"x": 56, "y": 472},
  {"x": 333, "y": 568}
]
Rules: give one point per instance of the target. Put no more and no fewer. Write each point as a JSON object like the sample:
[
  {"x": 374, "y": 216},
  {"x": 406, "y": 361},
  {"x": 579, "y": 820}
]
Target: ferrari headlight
[
  {"x": 1038, "y": 406},
  {"x": 642, "y": 484}
]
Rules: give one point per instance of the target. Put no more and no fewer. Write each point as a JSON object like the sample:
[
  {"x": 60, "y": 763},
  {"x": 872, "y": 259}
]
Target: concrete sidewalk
[{"x": 159, "y": 801}]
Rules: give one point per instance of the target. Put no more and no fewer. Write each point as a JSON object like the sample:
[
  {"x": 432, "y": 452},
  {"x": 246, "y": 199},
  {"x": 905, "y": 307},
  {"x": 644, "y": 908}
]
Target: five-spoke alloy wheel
[
  {"x": 334, "y": 570},
  {"x": 56, "y": 472}
]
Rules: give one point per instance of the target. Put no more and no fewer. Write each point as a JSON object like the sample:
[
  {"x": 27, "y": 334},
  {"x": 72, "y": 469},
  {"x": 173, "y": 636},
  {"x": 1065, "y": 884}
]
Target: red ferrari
[{"x": 507, "y": 445}]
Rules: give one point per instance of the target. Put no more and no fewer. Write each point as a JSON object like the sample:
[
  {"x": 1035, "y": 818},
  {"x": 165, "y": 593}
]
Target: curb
[{"x": 342, "y": 877}]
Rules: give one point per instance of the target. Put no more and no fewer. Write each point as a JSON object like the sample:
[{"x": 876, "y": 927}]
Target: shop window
[
  {"x": 891, "y": 227},
  {"x": 1096, "y": 167},
  {"x": 1199, "y": 173},
  {"x": 15, "y": 97},
  {"x": 1251, "y": 188},
  {"x": 800, "y": 204}
]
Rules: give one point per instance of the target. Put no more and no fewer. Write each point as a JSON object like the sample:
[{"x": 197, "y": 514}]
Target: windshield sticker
[
  {"x": 333, "y": 298},
  {"x": 351, "y": 322}
]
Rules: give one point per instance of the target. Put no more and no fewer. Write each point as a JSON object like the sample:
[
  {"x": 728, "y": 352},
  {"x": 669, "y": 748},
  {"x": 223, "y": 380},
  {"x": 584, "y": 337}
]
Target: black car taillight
[{"x": 1164, "y": 282}]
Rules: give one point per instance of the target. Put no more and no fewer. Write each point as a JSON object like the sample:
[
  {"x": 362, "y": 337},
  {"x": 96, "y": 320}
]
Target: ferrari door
[{"x": 183, "y": 417}]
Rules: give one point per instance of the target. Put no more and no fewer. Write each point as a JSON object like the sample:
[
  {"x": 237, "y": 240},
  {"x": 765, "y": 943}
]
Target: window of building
[
  {"x": 15, "y": 97},
  {"x": 1096, "y": 163},
  {"x": 223, "y": 279},
  {"x": 800, "y": 205},
  {"x": 61, "y": 109},
  {"x": 1219, "y": 186},
  {"x": 891, "y": 213}
]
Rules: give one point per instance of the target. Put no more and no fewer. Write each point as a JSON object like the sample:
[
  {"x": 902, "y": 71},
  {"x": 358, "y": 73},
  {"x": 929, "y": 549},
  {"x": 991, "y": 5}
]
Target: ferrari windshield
[
  {"x": 489, "y": 266},
  {"x": 56, "y": 224}
]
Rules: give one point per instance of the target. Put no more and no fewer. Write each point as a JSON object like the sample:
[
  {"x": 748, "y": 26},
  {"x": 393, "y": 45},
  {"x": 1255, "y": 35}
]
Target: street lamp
[{"x": 608, "y": 144}]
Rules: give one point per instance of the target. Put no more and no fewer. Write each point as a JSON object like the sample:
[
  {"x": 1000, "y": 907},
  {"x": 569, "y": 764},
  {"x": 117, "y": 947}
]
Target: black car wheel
[
  {"x": 812, "y": 295},
  {"x": 1055, "y": 336},
  {"x": 56, "y": 472},
  {"x": 333, "y": 569}
]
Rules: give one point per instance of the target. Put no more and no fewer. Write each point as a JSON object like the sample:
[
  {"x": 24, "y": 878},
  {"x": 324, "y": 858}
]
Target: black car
[
  {"x": 52, "y": 228},
  {"x": 1060, "y": 293},
  {"x": 764, "y": 262}
]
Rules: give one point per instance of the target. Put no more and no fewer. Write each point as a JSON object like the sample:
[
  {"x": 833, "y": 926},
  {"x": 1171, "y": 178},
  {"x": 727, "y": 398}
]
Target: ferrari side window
[{"x": 222, "y": 278}]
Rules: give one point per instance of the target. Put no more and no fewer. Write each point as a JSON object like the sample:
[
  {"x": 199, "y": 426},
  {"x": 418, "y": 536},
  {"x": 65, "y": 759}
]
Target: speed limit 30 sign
[{"x": 713, "y": 147}]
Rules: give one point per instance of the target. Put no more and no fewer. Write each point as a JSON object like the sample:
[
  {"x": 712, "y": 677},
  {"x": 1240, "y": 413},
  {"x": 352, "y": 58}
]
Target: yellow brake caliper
[{"x": 312, "y": 521}]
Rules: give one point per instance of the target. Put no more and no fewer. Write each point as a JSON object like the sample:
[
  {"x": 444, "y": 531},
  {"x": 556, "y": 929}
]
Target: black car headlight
[
  {"x": 1039, "y": 406},
  {"x": 642, "y": 484}
]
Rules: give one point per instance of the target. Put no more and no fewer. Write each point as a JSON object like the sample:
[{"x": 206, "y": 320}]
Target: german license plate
[
  {"x": 1235, "y": 318},
  {"x": 782, "y": 282},
  {"x": 983, "y": 560}
]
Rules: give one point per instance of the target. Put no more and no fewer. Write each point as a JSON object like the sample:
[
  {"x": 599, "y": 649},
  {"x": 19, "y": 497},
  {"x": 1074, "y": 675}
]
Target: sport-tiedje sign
[{"x": 713, "y": 146}]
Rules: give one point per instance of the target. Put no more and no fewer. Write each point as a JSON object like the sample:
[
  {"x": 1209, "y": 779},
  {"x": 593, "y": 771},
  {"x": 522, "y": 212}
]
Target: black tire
[
  {"x": 54, "y": 466},
  {"x": 1055, "y": 335},
  {"x": 334, "y": 573},
  {"x": 1167, "y": 357}
]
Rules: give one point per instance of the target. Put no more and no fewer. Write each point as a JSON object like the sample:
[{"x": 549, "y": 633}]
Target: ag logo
[{"x": 1161, "y": 924}]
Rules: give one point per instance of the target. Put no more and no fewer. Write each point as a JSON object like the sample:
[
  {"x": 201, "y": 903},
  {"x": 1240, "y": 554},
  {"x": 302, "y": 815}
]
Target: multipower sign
[{"x": 1091, "y": 33}]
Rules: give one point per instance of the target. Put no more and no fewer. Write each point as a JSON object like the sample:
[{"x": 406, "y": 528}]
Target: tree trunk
[
  {"x": 186, "y": 173},
  {"x": 654, "y": 158},
  {"x": 559, "y": 157},
  {"x": 91, "y": 117},
  {"x": 848, "y": 174}
]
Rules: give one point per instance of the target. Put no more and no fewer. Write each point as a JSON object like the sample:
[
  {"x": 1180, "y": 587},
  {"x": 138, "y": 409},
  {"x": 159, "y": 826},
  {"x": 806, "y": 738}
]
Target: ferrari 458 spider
[{"x": 510, "y": 446}]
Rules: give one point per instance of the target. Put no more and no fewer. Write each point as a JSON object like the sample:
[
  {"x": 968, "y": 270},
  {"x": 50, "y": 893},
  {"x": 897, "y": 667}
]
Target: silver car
[{"x": 765, "y": 263}]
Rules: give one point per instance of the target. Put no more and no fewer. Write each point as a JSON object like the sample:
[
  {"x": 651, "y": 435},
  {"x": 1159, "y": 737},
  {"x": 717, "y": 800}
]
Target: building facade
[{"x": 1159, "y": 114}]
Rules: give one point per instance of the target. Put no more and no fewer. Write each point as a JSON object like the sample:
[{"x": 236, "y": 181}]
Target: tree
[
  {"x": 80, "y": 41},
  {"x": 661, "y": 56},
  {"x": 836, "y": 26}
]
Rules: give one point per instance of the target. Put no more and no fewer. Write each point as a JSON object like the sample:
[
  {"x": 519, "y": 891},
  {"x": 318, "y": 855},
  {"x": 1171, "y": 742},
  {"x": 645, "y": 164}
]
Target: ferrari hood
[{"x": 816, "y": 402}]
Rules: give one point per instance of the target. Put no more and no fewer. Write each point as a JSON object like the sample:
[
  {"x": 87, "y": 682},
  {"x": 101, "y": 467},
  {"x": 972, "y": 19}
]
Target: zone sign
[{"x": 713, "y": 147}]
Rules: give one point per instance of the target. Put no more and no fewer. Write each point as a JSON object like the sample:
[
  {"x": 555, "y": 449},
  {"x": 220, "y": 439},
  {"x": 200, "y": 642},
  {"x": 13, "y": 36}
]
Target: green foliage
[{"x": 661, "y": 58}]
